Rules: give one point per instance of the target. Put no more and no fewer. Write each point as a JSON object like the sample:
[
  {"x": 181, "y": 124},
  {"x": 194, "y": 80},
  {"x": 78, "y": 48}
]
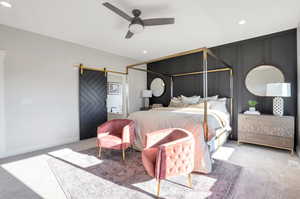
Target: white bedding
[{"x": 190, "y": 119}]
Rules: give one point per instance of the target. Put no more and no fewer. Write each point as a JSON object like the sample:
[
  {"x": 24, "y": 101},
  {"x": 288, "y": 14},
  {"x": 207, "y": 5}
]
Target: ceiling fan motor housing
[{"x": 136, "y": 12}]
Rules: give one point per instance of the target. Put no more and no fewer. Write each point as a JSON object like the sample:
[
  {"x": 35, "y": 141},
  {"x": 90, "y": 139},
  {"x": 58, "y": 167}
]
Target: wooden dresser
[{"x": 267, "y": 130}]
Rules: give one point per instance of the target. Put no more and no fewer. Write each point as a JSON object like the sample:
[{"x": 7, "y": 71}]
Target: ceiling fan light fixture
[
  {"x": 242, "y": 22},
  {"x": 136, "y": 28}
]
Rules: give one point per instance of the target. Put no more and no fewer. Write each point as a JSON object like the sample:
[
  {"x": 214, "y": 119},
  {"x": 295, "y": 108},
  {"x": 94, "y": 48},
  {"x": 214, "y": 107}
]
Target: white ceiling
[{"x": 198, "y": 23}]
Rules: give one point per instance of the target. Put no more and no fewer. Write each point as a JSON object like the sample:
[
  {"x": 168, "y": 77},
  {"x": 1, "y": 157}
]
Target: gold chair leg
[
  {"x": 158, "y": 187},
  {"x": 190, "y": 180},
  {"x": 99, "y": 152},
  {"x": 123, "y": 154}
]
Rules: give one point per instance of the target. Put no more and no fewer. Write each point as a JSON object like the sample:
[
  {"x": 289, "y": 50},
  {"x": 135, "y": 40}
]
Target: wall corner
[
  {"x": 298, "y": 91},
  {"x": 2, "y": 107}
]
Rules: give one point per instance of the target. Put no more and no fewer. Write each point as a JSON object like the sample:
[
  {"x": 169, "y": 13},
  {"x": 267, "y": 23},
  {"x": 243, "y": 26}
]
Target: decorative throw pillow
[
  {"x": 190, "y": 100},
  {"x": 219, "y": 105}
]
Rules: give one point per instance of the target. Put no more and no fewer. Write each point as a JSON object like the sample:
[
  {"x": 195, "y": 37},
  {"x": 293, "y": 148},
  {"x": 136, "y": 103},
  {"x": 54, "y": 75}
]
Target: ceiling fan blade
[
  {"x": 129, "y": 35},
  {"x": 117, "y": 11},
  {"x": 158, "y": 21}
]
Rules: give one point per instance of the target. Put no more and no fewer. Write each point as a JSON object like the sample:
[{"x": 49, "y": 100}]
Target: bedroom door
[{"x": 92, "y": 102}]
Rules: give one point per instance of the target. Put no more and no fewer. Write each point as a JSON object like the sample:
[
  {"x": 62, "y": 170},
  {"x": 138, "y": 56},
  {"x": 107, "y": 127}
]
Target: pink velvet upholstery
[
  {"x": 168, "y": 152},
  {"x": 116, "y": 134}
]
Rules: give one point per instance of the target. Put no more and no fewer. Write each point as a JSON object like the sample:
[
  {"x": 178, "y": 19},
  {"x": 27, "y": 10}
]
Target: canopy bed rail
[
  {"x": 201, "y": 72},
  {"x": 206, "y": 52},
  {"x": 153, "y": 72}
]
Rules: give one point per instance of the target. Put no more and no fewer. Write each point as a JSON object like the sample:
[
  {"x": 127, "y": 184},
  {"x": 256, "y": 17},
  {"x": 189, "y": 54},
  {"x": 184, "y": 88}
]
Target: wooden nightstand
[{"x": 267, "y": 130}]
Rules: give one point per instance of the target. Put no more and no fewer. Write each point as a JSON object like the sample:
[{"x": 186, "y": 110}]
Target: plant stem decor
[{"x": 252, "y": 103}]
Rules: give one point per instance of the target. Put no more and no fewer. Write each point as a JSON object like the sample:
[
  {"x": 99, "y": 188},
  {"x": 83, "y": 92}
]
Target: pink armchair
[
  {"x": 115, "y": 134},
  {"x": 169, "y": 152}
]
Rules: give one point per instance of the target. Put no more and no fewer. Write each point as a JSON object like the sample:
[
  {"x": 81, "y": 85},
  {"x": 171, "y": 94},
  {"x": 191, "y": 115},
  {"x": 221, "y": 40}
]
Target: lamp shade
[
  {"x": 279, "y": 90},
  {"x": 147, "y": 93}
]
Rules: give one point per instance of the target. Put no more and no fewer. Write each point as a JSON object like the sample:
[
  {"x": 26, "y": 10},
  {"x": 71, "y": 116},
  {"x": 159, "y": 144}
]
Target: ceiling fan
[{"x": 136, "y": 23}]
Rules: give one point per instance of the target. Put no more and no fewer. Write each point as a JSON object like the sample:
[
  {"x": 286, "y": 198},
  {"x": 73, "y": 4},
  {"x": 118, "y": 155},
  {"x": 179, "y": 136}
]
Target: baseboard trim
[{"x": 39, "y": 147}]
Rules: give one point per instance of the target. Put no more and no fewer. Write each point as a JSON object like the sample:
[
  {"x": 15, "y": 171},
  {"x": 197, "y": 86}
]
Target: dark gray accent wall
[{"x": 278, "y": 49}]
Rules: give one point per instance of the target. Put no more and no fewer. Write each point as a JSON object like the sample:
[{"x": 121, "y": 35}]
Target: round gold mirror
[
  {"x": 158, "y": 87},
  {"x": 258, "y": 78}
]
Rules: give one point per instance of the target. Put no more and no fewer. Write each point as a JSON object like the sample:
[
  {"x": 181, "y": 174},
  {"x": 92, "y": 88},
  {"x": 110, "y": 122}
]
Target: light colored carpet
[
  {"x": 267, "y": 173},
  {"x": 113, "y": 178}
]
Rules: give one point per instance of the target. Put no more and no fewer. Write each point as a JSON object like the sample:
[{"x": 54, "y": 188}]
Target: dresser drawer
[{"x": 267, "y": 140}]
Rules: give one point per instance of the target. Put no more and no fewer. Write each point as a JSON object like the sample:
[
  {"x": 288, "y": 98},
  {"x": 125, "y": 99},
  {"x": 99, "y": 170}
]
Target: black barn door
[{"x": 92, "y": 102}]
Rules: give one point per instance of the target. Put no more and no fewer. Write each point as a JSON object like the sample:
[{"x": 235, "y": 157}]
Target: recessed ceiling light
[
  {"x": 5, "y": 4},
  {"x": 145, "y": 51},
  {"x": 242, "y": 22}
]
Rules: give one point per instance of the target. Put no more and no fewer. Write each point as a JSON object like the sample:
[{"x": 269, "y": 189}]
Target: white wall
[
  {"x": 298, "y": 50},
  {"x": 136, "y": 78},
  {"x": 41, "y": 88},
  {"x": 2, "y": 111},
  {"x": 116, "y": 100}
]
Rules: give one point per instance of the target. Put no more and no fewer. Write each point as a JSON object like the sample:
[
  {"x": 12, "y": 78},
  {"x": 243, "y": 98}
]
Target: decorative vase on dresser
[{"x": 267, "y": 130}]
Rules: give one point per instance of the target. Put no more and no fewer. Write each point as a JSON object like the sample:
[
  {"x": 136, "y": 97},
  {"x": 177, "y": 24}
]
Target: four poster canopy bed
[{"x": 210, "y": 127}]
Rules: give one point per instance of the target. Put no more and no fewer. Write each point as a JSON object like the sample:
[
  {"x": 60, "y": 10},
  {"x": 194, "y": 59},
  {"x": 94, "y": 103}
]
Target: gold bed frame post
[
  {"x": 127, "y": 93},
  {"x": 171, "y": 85},
  {"x": 231, "y": 99},
  {"x": 205, "y": 125}
]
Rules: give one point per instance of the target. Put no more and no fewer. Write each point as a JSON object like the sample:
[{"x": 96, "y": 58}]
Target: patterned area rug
[{"x": 110, "y": 177}]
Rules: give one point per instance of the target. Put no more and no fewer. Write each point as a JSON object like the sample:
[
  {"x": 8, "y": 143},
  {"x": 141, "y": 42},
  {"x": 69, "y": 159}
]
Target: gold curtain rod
[
  {"x": 169, "y": 57},
  {"x": 201, "y": 72},
  {"x": 82, "y": 67}
]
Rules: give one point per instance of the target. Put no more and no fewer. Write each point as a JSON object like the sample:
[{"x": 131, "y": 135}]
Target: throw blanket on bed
[{"x": 190, "y": 119}]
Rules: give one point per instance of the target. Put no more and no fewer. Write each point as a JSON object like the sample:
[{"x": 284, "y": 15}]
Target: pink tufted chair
[
  {"x": 115, "y": 134},
  {"x": 169, "y": 152}
]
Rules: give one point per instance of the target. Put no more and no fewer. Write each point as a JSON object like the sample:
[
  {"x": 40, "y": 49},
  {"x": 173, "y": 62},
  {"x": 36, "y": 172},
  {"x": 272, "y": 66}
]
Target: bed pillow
[
  {"x": 215, "y": 97},
  {"x": 176, "y": 102},
  {"x": 219, "y": 105},
  {"x": 199, "y": 105},
  {"x": 190, "y": 100}
]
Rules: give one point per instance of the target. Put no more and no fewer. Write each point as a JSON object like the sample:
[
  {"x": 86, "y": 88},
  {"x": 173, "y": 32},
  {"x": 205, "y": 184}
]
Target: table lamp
[
  {"x": 278, "y": 90},
  {"x": 146, "y": 94}
]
